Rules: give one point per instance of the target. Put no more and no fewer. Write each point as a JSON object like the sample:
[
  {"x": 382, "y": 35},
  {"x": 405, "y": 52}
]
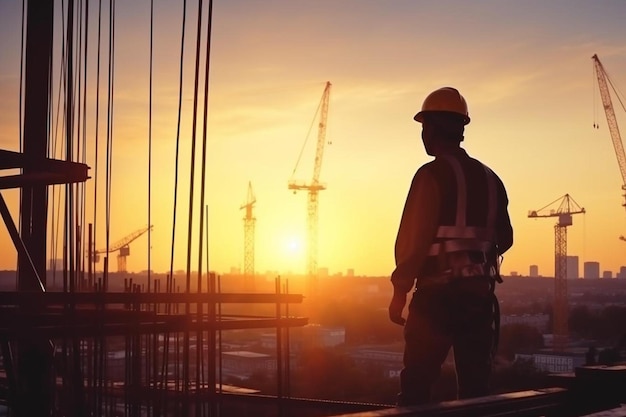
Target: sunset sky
[{"x": 525, "y": 69}]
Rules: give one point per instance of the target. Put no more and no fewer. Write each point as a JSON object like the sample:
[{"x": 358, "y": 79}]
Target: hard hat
[{"x": 445, "y": 99}]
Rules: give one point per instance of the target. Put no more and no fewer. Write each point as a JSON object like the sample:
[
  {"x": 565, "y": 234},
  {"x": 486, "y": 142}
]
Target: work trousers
[{"x": 456, "y": 315}]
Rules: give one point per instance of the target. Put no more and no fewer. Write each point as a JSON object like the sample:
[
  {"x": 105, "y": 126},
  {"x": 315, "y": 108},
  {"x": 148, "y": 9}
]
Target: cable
[
  {"x": 69, "y": 125},
  {"x": 170, "y": 279},
  {"x": 178, "y": 123},
  {"x": 84, "y": 156},
  {"x": 186, "y": 352},
  {"x": 207, "y": 60},
  {"x": 308, "y": 134},
  {"x": 109, "y": 153},
  {"x": 150, "y": 140},
  {"x": 193, "y": 147},
  {"x": 96, "y": 136}
]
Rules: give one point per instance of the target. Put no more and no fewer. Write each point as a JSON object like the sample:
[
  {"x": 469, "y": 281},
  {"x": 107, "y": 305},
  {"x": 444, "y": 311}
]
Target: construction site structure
[
  {"x": 313, "y": 188},
  {"x": 102, "y": 350},
  {"x": 249, "y": 222},
  {"x": 603, "y": 85},
  {"x": 566, "y": 208},
  {"x": 122, "y": 246}
]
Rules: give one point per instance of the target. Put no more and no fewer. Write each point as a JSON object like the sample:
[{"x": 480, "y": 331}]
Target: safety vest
[{"x": 461, "y": 248}]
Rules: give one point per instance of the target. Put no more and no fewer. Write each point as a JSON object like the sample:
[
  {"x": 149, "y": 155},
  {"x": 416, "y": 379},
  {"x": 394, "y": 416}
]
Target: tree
[
  {"x": 515, "y": 338},
  {"x": 582, "y": 321}
]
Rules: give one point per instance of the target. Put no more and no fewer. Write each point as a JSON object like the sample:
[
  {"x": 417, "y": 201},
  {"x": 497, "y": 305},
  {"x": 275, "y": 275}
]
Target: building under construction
[{"x": 103, "y": 345}]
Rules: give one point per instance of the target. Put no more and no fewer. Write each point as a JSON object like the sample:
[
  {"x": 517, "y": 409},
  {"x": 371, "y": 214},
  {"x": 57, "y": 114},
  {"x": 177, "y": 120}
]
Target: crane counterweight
[{"x": 122, "y": 247}]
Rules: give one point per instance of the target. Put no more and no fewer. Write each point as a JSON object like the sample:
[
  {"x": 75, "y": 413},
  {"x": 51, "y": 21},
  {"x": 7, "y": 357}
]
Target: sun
[
  {"x": 293, "y": 245},
  {"x": 292, "y": 250}
]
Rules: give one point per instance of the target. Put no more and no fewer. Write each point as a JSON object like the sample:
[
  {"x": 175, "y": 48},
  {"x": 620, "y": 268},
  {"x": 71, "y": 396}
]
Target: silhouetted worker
[{"x": 454, "y": 228}]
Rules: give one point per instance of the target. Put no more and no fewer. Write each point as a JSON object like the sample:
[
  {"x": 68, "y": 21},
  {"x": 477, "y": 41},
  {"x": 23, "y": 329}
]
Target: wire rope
[
  {"x": 306, "y": 139},
  {"x": 170, "y": 278},
  {"x": 150, "y": 139},
  {"x": 186, "y": 350},
  {"x": 618, "y": 94},
  {"x": 151, "y": 381},
  {"x": 207, "y": 60},
  {"x": 84, "y": 134},
  {"x": 54, "y": 146},
  {"x": 177, "y": 151},
  {"x": 110, "y": 114},
  {"x": 68, "y": 280},
  {"x": 79, "y": 141},
  {"x": 75, "y": 223},
  {"x": 593, "y": 98},
  {"x": 193, "y": 146},
  {"x": 96, "y": 136}
]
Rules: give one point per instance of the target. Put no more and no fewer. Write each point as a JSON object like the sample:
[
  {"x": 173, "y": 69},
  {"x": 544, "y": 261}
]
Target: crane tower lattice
[
  {"x": 566, "y": 208},
  {"x": 314, "y": 187},
  {"x": 248, "y": 247}
]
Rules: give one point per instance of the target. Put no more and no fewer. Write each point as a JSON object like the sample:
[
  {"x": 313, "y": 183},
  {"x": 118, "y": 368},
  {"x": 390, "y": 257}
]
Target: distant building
[
  {"x": 607, "y": 274},
  {"x": 538, "y": 321},
  {"x": 389, "y": 360},
  {"x": 555, "y": 362},
  {"x": 592, "y": 270},
  {"x": 572, "y": 267},
  {"x": 534, "y": 271},
  {"x": 244, "y": 363},
  {"x": 322, "y": 272},
  {"x": 350, "y": 272},
  {"x": 311, "y": 335},
  {"x": 622, "y": 272}
]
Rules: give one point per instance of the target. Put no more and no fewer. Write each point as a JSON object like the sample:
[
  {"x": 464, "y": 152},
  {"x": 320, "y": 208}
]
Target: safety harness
[{"x": 470, "y": 251}]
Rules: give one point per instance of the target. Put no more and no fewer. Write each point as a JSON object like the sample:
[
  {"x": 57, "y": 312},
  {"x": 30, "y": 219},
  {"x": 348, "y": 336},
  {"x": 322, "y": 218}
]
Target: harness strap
[
  {"x": 460, "y": 229},
  {"x": 460, "y": 245},
  {"x": 496, "y": 320}
]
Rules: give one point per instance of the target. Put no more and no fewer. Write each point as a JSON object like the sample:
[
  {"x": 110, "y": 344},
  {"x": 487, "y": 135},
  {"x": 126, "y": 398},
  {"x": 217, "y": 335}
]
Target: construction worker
[{"x": 454, "y": 229}]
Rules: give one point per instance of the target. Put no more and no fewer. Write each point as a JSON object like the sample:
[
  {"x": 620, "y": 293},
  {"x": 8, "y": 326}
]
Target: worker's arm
[{"x": 417, "y": 230}]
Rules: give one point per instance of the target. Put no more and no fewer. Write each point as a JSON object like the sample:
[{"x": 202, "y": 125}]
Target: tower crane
[
  {"x": 314, "y": 187},
  {"x": 566, "y": 208},
  {"x": 248, "y": 238},
  {"x": 603, "y": 86},
  {"x": 123, "y": 247}
]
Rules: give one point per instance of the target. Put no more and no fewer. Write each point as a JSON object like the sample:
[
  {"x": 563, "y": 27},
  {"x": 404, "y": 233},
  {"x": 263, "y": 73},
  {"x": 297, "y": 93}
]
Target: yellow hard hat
[{"x": 446, "y": 99}]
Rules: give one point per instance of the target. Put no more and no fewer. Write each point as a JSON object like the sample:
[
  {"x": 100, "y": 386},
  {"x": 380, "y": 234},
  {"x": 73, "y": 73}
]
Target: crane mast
[
  {"x": 611, "y": 120},
  {"x": 567, "y": 207},
  {"x": 313, "y": 188},
  {"x": 249, "y": 229}
]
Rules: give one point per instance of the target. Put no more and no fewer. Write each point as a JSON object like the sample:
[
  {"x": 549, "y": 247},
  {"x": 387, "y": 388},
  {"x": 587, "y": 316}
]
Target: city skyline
[{"x": 525, "y": 70}]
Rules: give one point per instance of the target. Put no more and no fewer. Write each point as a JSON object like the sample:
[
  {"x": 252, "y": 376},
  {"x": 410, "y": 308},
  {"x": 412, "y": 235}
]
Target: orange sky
[{"x": 524, "y": 68}]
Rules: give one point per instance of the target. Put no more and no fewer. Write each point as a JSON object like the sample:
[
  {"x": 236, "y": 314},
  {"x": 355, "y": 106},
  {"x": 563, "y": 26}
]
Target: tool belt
[
  {"x": 466, "y": 264},
  {"x": 455, "y": 266}
]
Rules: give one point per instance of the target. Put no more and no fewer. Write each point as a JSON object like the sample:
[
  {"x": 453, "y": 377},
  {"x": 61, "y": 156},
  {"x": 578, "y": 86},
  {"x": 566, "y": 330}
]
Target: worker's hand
[{"x": 395, "y": 308}]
